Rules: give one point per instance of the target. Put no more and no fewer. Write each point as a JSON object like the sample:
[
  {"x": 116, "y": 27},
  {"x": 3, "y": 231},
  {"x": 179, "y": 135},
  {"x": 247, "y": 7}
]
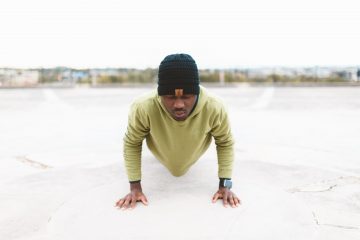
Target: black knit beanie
[{"x": 178, "y": 72}]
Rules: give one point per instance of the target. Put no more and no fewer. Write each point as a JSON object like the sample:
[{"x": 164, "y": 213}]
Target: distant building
[
  {"x": 259, "y": 72},
  {"x": 350, "y": 74},
  {"x": 353, "y": 74},
  {"x": 18, "y": 77},
  {"x": 78, "y": 75}
]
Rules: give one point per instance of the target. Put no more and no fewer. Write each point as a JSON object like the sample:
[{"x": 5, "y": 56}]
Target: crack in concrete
[
  {"x": 340, "y": 226},
  {"x": 295, "y": 190},
  {"x": 32, "y": 163},
  {"x": 332, "y": 225},
  {"x": 326, "y": 185},
  {"x": 50, "y": 218}
]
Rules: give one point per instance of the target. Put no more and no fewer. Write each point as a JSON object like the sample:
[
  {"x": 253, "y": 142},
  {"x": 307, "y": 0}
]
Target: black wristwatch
[{"x": 225, "y": 182}]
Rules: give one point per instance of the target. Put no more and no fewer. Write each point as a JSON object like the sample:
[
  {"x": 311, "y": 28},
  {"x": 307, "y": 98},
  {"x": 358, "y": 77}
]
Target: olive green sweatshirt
[{"x": 178, "y": 144}]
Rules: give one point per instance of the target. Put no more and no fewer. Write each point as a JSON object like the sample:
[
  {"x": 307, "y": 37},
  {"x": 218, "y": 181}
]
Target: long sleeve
[
  {"x": 137, "y": 130},
  {"x": 221, "y": 132}
]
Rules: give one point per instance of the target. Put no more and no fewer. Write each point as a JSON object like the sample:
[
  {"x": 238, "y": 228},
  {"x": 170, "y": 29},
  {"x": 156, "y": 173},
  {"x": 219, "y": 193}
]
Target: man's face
[{"x": 179, "y": 107}]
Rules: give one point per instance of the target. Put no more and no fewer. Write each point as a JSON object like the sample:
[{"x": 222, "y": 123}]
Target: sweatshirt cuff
[{"x": 137, "y": 181}]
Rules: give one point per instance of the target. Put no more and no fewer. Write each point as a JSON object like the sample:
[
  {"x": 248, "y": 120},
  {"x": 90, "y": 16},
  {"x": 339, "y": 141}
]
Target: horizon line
[{"x": 200, "y": 68}]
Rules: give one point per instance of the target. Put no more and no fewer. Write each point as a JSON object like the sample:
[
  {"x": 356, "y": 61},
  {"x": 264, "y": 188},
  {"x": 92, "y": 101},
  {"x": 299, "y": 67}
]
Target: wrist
[
  {"x": 225, "y": 183},
  {"x": 135, "y": 186}
]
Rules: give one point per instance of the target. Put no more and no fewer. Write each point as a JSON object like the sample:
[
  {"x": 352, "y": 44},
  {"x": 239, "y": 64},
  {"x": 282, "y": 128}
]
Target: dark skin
[{"x": 179, "y": 108}]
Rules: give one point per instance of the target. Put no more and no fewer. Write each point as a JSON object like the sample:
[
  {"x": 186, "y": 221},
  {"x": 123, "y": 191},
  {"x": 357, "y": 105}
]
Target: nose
[{"x": 179, "y": 103}]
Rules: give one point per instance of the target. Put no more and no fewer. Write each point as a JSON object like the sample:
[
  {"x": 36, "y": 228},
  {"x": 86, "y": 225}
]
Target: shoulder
[
  {"x": 144, "y": 102},
  {"x": 213, "y": 102}
]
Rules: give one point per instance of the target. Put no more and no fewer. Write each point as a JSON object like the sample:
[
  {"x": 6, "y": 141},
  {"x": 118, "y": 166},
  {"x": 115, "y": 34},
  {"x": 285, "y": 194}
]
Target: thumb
[
  {"x": 144, "y": 200},
  {"x": 215, "y": 197}
]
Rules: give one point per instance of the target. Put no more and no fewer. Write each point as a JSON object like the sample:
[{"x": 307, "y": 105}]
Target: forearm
[
  {"x": 225, "y": 152},
  {"x": 224, "y": 141},
  {"x": 137, "y": 131},
  {"x": 132, "y": 159},
  {"x": 225, "y": 157}
]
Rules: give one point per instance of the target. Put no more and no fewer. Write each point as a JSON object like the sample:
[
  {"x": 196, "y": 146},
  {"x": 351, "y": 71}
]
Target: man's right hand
[{"x": 129, "y": 201}]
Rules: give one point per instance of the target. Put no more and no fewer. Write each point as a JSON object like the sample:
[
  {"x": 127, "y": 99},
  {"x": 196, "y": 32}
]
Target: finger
[
  {"x": 120, "y": 203},
  {"x": 232, "y": 202},
  {"x": 215, "y": 197},
  {"x": 225, "y": 200},
  {"x": 133, "y": 202},
  {"x": 144, "y": 200},
  {"x": 126, "y": 203},
  {"x": 236, "y": 200}
]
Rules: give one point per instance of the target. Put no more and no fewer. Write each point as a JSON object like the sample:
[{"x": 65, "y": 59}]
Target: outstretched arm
[
  {"x": 137, "y": 130},
  {"x": 221, "y": 131}
]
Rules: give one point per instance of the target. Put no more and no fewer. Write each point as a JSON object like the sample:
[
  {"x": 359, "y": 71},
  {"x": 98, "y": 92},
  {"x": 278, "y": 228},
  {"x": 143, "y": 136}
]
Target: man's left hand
[{"x": 227, "y": 196}]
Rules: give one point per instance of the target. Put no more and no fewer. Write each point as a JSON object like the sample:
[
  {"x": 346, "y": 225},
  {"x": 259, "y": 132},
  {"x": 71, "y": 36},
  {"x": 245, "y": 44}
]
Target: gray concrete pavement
[{"x": 297, "y": 168}]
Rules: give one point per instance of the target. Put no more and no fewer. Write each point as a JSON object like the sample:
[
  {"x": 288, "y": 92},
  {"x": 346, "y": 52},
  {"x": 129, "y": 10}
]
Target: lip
[{"x": 180, "y": 114}]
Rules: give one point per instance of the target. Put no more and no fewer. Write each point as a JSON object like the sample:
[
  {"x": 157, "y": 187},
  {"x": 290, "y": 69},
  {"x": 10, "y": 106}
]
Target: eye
[
  {"x": 185, "y": 97},
  {"x": 170, "y": 97}
]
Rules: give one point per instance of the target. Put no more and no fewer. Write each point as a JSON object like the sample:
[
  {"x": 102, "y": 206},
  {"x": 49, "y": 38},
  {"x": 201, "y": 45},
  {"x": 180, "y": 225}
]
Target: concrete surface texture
[{"x": 297, "y": 168}]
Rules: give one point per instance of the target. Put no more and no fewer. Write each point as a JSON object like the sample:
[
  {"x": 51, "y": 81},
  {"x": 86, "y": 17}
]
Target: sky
[{"x": 218, "y": 34}]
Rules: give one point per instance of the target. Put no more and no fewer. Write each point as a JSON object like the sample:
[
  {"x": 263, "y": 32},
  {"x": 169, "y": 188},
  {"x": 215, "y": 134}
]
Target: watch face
[{"x": 227, "y": 183}]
